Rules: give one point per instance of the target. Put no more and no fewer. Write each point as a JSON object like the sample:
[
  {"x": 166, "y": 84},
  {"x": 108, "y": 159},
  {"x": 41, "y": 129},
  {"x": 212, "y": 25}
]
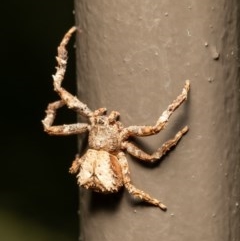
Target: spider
[{"x": 104, "y": 167}]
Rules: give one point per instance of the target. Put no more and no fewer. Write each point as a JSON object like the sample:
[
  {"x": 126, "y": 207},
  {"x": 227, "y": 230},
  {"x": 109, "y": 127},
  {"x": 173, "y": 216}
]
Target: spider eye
[{"x": 101, "y": 121}]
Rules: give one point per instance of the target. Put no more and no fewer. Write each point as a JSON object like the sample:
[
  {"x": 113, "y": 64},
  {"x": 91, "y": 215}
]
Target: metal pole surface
[{"x": 133, "y": 57}]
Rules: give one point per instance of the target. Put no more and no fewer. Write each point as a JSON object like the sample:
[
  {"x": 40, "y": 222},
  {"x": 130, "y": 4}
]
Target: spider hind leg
[{"x": 135, "y": 192}]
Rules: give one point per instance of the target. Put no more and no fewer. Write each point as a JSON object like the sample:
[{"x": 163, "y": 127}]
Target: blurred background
[{"x": 38, "y": 197}]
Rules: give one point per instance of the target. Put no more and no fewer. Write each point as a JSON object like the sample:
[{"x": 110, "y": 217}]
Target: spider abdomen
[{"x": 100, "y": 171}]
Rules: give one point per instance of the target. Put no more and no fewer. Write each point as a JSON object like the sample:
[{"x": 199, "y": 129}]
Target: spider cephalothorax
[
  {"x": 104, "y": 167},
  {"x": 104, "y": 133}
]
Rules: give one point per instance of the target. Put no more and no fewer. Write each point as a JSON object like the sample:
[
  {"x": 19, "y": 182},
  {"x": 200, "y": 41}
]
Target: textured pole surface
[{"x": 133, "y": 57}]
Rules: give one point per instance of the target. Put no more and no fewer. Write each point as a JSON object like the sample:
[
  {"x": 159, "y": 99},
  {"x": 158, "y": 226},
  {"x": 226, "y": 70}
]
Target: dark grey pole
[{"x": 133, "y": 57}]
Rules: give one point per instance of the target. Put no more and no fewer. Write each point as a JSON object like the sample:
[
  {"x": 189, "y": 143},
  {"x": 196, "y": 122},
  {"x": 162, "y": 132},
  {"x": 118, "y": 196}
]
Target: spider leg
[
  {"x": 75, "y": 165},
  {"x": 60, "y": 129},
  {"x": 161, "y": 122},
  {"x": 135, "y": 151},
  {"x": 113, "y": 116},
  {"x": 137, "y": 193},
  {"x": 70, "y": 100}
]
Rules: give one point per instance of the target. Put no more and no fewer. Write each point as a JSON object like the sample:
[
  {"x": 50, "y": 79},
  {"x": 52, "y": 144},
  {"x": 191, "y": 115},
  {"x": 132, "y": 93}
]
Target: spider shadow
[{"x": 108, "y": 202}]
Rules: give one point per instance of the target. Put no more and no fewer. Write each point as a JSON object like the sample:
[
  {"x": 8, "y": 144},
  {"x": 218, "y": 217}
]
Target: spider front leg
[
  {"x": 70, "y": 100},
  {"x": 137, "y": 193},
  {"x": 161, "y": 122},
  {"x": 114, "y": 115},
  {"x": 60, "y": 129},
  {"x": 135, "y": 151}
]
